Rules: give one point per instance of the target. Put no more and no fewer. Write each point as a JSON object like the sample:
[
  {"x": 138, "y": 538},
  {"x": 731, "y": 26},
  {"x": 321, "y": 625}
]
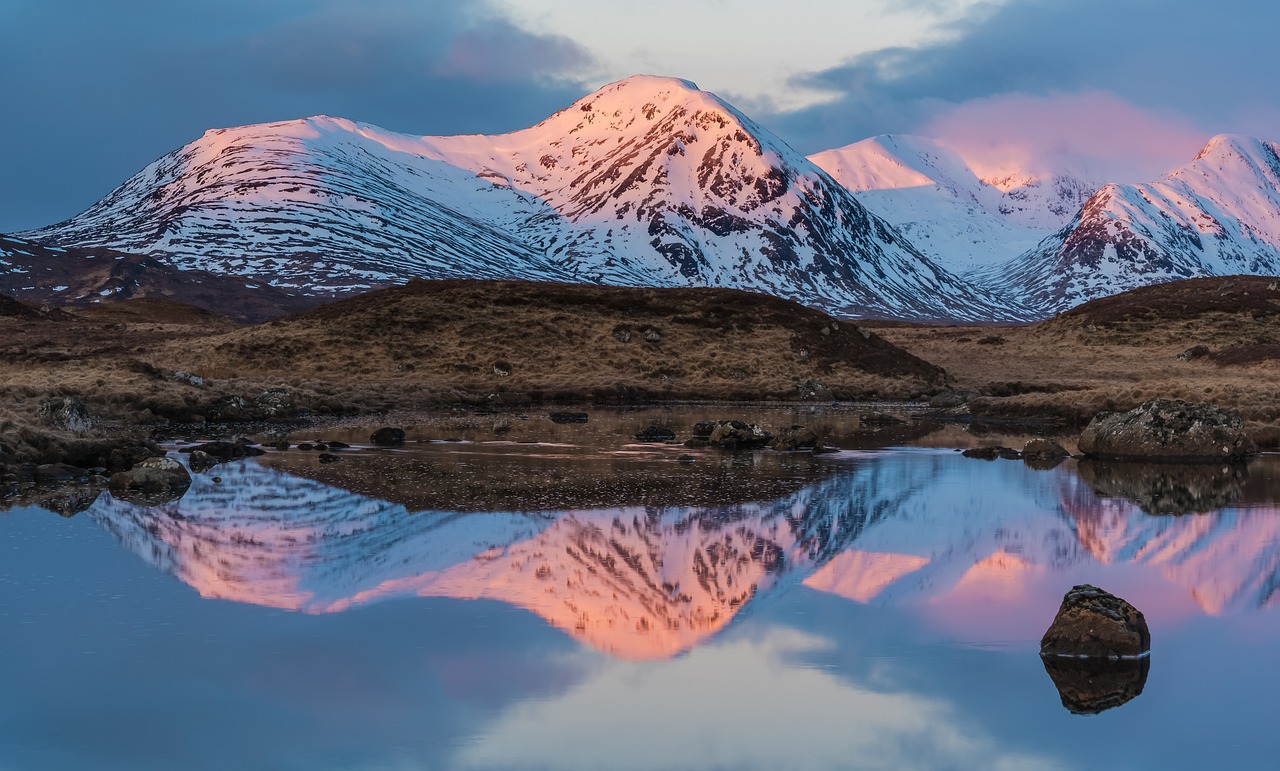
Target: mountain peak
[{"x": 1226, "y": 146}]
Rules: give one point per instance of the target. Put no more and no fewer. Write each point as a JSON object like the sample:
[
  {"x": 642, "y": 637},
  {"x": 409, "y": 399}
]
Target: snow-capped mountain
[
  {"x": 648, "y": 181},
  {"x": 1218, "y": 215},
  {"x": 935, "y": 198}
]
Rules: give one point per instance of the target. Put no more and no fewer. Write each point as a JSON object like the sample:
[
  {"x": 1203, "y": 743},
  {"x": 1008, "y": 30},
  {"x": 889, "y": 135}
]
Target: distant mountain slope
[
  {"x": 79, "y": 277},
  {"x": 645, "y": 182},
  {"x": 1218, "y": 215},
  {"x": 933, "y": 197}
]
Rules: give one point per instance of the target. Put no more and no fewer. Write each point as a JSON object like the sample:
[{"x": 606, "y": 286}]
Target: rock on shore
[{"x": 1169, "y": 429}]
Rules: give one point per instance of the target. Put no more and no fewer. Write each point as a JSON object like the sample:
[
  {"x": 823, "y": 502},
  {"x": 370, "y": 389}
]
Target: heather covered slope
[
  {"x": 525, "y": 340},
  {"x": 1209, "y": 339}
]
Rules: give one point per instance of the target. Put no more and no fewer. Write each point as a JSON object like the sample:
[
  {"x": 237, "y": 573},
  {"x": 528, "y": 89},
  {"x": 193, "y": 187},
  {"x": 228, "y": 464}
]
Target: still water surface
[{"x": 875, "y": 609}]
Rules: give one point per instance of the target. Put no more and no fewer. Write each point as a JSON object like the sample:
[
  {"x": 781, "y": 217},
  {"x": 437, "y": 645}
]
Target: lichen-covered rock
[
  {"x": 68, "y": 414},
  {"x": 201, "y": 461},
  {"x": 151, "y": 482},
  {"x": 738, "y": 435},
  {"x": 275, "y": 403},
  {"x": 1097, "y": 624},
  {"x": 1167, "y": 428}
]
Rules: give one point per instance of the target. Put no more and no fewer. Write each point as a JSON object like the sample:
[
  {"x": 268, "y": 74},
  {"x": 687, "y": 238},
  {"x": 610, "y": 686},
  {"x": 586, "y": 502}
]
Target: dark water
[{"x": 877, "y": 609}]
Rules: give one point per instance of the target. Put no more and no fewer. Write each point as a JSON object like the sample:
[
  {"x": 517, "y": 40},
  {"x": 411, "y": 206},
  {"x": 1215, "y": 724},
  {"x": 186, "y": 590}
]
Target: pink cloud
[{"x": 1092, "y": 133}]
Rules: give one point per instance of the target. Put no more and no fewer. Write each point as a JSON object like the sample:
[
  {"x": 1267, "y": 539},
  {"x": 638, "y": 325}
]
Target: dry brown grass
[
  {"x": 515, "y": 342},
  {"x": 1116, "y": 353}
]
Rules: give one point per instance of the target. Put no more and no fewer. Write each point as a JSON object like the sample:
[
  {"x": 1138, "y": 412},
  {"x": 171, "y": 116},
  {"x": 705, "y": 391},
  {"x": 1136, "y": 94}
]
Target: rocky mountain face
[
  {"x": 949, "y": 211},
  {"x": 1219, "y": 215},
  {"x": 648, "y": 181}
]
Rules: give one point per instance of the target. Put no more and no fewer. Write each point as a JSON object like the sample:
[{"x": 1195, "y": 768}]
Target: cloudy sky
[{"x": 92, "y": 91}]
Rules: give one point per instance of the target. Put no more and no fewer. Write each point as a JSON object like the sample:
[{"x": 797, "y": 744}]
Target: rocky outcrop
[
  {"x": 1168, "y": 429},
  {"x": 152, "y": 482},
  {"x": 1094, "y": 623}
]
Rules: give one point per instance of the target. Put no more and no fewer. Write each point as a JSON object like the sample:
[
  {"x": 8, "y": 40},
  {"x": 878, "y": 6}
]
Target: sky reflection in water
[{"x": 884, "y": 616}]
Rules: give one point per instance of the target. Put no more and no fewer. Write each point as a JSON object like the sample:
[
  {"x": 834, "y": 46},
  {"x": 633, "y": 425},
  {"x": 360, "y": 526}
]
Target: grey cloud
[
  {"x": 94, "y": 91},
  {"x": 1213, "y": 63}
]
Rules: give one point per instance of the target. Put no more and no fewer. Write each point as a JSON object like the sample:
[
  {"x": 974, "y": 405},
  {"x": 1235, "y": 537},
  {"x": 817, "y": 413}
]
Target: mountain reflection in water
[{"x": 984, "y": 548}]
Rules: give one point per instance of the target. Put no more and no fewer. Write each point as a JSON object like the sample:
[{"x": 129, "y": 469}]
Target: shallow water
[{"x": 874, "y": 609}]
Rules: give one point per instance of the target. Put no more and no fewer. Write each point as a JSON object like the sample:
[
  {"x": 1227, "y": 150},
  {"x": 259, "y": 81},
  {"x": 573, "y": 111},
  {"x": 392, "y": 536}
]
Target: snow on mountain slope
[
  {"x": 318, "y": 204},
  {"x": 1217, "y": 215},
  {"x": 933, "y": 197},
  {"x": 648, "y": 181}
]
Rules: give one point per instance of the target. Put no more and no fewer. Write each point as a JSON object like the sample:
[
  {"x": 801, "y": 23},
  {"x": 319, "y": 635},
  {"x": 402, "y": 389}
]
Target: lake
[{"x": 585, "y": 602}]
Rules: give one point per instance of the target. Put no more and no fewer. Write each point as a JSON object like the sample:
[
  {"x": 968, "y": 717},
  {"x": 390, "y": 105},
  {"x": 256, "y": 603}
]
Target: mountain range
[{"x": 650, "y": 181}]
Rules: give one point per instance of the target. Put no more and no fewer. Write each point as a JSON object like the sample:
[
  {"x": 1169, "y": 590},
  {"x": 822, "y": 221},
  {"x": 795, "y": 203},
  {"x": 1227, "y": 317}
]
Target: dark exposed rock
[
  {"x": 385, "y": 437},
  {"x": 306, "y": 446},
  {"x": 813, "y": 391},
  {"x": 326, "y": 457},
  {"x": 656, "y": 434},
  {"x": 1194, "y": 352},
  {"x": 1166, "y": 428},
  {"x": 67, "y": 414},
  {"x": 687, "y": 459},
  {"x": 1089, "y": 686},
  {"x": 795, "y": 437},
  {"x": 333, "y": 445},
  {"x": 230, "y": 409},
  {"x": 1096, "y": 624},
  {"x": 1167, "y": 488},
  {"x": 201, "y": 461},
  {"x": 568, "y": 417},
  {"x": 152, "y": 482},
  {"x": 703, "y": 428}
]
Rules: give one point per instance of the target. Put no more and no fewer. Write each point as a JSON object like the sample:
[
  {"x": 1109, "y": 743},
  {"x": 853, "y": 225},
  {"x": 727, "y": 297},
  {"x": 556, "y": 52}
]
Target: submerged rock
[
  {"x": 1089, "y": 686},
  {"x": 1168, "y": 428},
  {"x": 386, "y": 436},
  {"x": 152, "y": 482},
  {"x": 1094, "y": 623},
  {"x": 656, "y": 434}
]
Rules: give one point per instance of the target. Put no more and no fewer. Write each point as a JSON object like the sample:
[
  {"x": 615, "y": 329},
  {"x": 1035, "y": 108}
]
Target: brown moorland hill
[
  {"x": 87, "y": 277},
  {"x": 153, "y": 310},
  {"x": 1208, "y": 339},
  {"x": 523, "y": 341}
]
